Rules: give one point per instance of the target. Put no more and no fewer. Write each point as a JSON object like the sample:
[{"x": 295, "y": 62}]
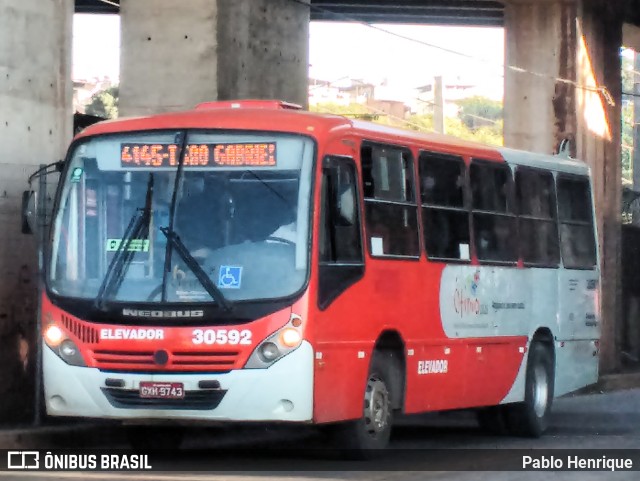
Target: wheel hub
[
  {"x": 540, "y": 390},
  {"x": 376, "y": 406}
]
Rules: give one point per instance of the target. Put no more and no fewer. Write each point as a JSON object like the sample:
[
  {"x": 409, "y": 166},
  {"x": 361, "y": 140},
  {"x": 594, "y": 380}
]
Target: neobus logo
[{"x": 161, "y": 314}]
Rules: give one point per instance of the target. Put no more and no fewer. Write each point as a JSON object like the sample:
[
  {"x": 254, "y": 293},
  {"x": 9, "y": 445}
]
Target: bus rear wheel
[
  {"x": 530, "y": 418},
  {"x": 361, "y": 438}
]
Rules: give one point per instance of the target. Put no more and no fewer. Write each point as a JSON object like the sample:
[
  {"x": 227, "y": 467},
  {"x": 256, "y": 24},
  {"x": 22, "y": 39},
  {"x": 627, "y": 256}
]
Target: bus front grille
[
  {"x": 86, "y": 334},
  {"x": 204, "y": 361},
  {"x": 204, "y": 399},
  {"x": 215, "y": 360}
]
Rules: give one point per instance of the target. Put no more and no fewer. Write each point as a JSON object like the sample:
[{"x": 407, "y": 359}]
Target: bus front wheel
[
  {"x": 530, "y": 417},
  {"x": 361, "y": 438}
]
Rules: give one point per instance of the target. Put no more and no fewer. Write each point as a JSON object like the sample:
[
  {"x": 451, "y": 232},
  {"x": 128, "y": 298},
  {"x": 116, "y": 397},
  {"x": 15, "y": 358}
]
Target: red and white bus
[{"x": 249, "y": 261}]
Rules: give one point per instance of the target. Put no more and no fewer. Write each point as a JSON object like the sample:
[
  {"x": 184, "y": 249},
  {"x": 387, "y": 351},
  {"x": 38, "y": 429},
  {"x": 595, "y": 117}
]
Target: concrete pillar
[
  {"x": 541, "y": 38},
  {"x": 177, "y": 54},
  {"x": 576, "y": 40},
  {"x": 599, "y": 132},
  {"x": 36, "y": 125}
]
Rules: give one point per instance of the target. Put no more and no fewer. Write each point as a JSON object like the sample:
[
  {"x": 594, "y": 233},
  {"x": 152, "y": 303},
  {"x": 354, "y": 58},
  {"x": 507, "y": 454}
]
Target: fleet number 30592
[{"x": 221, "y": 336}]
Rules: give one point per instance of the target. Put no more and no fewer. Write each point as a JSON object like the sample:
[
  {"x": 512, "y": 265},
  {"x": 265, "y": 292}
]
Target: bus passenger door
[
  {"x": 579, "y": 279},
  {"x": 576, "y": 362},
  {"x": 340, "y": 372}
]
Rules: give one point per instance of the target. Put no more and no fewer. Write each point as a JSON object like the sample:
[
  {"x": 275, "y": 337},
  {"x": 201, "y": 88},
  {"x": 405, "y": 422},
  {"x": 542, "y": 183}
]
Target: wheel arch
[
  {"x": 545, "y": 336},
  {"x": 390, "y": 346}
]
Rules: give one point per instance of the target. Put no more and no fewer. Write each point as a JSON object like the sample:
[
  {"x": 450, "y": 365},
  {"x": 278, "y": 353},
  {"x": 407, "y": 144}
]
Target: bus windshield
[{"x": 239, "y": 207}]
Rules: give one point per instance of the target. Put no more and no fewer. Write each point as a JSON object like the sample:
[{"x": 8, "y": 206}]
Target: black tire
[
  {"x": 143, "y": 438},
  {"x": 493, "y": 420},
  {"x": 530, "y": 418},
  {"x": 364, "y": 437}
]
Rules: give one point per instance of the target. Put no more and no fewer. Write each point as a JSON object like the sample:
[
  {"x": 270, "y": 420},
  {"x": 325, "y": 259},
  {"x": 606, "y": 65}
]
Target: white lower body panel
[
  {"x": 283, "y": 392},
  {"x": 576, "y": 367}
]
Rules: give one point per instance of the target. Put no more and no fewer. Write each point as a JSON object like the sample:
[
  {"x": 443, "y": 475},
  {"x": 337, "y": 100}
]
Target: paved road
[{"x": 596, "y": 421}]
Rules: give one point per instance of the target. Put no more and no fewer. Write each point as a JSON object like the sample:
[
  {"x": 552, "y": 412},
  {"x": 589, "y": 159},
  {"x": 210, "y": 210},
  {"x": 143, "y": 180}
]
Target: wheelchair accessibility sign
[{"x": 230, "y": 277}]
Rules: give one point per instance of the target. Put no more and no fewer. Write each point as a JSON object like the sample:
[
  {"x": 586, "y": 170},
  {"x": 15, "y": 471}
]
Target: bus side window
[
  {"x": 493, "y": 218},
  {"x": 390, "y": 203},
  {"x": 575, "y": 213},
  {"x": 538, "y": 229},
  {"x": 445, "y": 216},
  {"x": 340, "y": 241}
]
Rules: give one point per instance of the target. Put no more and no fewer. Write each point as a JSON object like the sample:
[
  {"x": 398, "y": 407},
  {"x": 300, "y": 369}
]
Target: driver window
[
  {"x": 340, "y": 245},
  {"x": 340, "y": 239}
]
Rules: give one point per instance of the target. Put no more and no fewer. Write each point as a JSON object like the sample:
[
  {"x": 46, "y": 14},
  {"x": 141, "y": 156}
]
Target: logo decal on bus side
[
  {"x": 440, "y": 366},
  {"x": 465, "y": 300}
]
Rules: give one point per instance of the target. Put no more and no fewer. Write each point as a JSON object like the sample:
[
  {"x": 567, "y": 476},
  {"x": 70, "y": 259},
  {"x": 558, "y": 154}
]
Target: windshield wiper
[
  {"x": 215, "y": 293},
  {"x": 138, "y": 228},
  {"x": 181, "y": 138}
]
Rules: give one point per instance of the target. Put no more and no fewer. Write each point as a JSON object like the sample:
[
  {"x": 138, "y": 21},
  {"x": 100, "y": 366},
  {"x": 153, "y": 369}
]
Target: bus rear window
[
  {"x": 538, "y": 230},
  {"x": 577, "y": 240},
  {"x": 493, "y": 220}
]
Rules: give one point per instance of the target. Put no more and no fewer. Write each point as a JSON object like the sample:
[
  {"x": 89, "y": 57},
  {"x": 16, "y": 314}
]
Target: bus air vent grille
[
  {"x": 109, "y": 359},
  {"x": 139, "y": 360},
  {"x": 86, "y": 334},
  {"x": 215, "y": 360}
]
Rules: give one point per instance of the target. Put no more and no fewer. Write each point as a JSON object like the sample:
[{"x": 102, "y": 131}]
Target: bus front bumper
[{"x": 282, "y": 392}]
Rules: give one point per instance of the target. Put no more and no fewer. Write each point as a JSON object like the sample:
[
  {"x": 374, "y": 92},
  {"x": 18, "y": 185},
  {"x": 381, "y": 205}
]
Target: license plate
[{"x": 162, "y": 390}]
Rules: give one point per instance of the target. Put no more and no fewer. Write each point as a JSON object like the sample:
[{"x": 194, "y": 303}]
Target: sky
[
  {"x": 96, "y": 46},
  {"x": 358, "y": 51},
  {"x": 343, "y": 50}
]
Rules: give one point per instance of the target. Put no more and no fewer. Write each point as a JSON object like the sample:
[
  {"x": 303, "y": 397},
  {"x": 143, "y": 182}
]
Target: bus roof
[{"x": 280, "y": 117}]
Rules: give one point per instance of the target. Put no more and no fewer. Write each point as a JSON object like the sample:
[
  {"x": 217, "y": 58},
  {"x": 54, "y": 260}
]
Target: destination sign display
[{"x": 134, "y": 155}]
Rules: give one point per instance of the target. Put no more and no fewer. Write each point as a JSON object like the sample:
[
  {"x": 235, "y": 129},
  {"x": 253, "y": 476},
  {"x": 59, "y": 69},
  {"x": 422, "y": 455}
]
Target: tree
[
  {"x": 488, "y": 134},
  {"x": 104, "y": 104},
  {"x": 479, "y": 111}
]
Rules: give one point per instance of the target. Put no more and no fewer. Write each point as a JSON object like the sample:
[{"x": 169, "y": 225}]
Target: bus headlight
[
  {"x": 290, "y": 337},
  {"x": 68, "y": 349},
  {"x": 53, "y": 335},
  {"x": 269, "y": 352},
  {"x": 70, "y": 353},
  {"x": 65, "y": 348},
  {"x": 277, "y": 345}
]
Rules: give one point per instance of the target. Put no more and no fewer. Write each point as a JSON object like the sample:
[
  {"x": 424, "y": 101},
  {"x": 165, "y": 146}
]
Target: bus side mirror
[{"x": 28, "y": 212}]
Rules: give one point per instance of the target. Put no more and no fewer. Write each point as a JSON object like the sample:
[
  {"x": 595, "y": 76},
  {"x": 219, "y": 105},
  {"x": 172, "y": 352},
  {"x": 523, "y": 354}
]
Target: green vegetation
[
  {"x": 487, "y": 130},
  {"x": 104, "y": 104},
  {"x": 476, "y": 112}
]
